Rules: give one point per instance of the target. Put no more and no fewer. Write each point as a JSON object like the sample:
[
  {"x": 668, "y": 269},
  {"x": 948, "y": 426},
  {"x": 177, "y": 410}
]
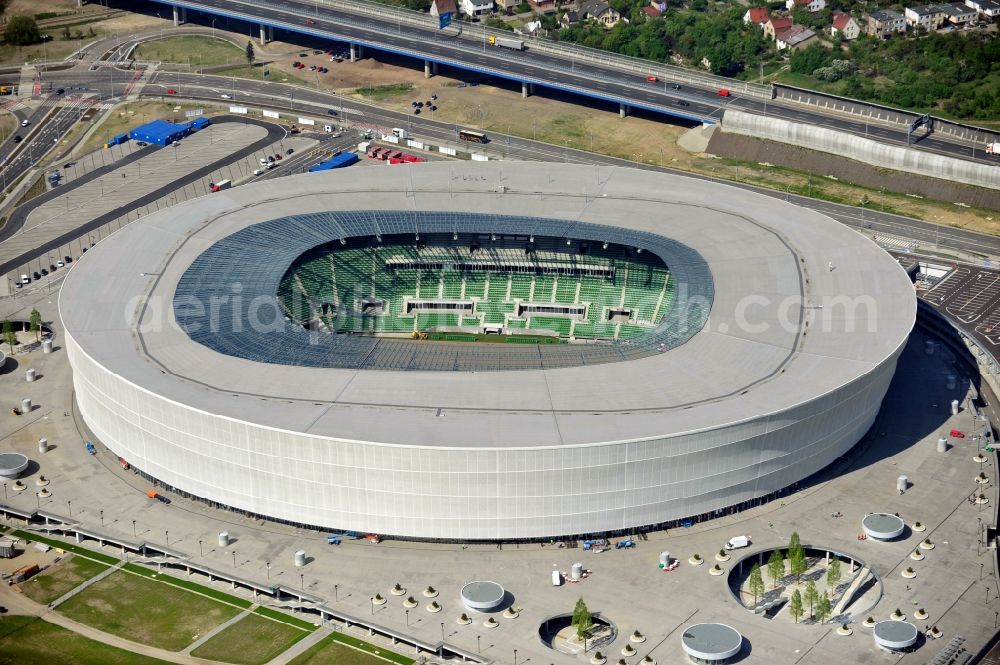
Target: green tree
[
  {"x": 795, "y": 607},
  {"x": 583, "y": 620},
  {"x": 35, "y": 324},
  {"x": 22, "y": 30},
  {"x": 823, "y": 608},
  {"x": 755, "y": 584},
  {"x": 833, "y": 573},
  {"x": 797, "y": 562},
  {"x": 794, "y": 542},
  {"x": 9, "y": 337},
  {"x": 775, "y": 567},
  {"x": 811, "y": 595},
  {"x": 251, "y": 56}
]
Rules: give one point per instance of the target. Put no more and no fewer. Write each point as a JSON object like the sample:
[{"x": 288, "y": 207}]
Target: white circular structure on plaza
[
  {"x": 483, "y": 596},
  {"x": 12, "y": 465},
  {"x": 883, "y": 526},
  {"x": 895, "y": 635},
  {"x": 711, "y": 642},
  {"x": 684, "y": 347}
]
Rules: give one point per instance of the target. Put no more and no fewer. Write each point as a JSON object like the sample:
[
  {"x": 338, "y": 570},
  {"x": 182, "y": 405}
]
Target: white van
[
  {"x": 738, "y": 542},
  {"x": 556, "y": 578},
  {"x": 400, "y": 133},
  {"x": 263, "y": 161},
  {"x": 25, "y": 279}
]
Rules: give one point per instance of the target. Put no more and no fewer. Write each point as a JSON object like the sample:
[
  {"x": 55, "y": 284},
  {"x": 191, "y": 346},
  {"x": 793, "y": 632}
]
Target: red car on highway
[{"x": 171, "y": 91}]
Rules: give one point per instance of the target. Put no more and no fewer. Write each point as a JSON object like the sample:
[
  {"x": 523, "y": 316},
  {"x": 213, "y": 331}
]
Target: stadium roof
[{"x": 802, "y": 305}]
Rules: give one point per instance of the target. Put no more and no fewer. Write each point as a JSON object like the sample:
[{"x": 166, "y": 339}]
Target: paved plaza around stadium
[{"x": 625, "y": 586}]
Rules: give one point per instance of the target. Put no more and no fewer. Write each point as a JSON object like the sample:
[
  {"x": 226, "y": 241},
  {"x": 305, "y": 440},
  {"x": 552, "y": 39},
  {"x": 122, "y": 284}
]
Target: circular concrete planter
[
  {"x": 717, "y": 570},
  {"x": 510, "y": 613},
  {"x": 648, "y": 660},
  {"x": 696, "y": 562},
  {"x": 909, "y": 573},
  {"x": 844, "y": 629},
  {"x": 430, "y": 592},
  {"x": 982, "y": 500},
  {"x": 410, "y": 603},
  {"x": 927, "y": 545},
  {"x": 636, "y": 637},
  {"x": 378, "y": 600},
  {"x": 869, "y": 622},
  {"x": 722, "y": 556},
  {"x": 463, "y": 620},
  {"x": 918, "y": 527},
  {"x": 18, "y": 486},
  {"x": 628, "y": 651},
  {"x": 979, "y": 459},
  {"x": 41, "y": 481},
  {"x": 917, "y": 555},
  {"x": 397, "y": 590},
  {"x": 434, "y": 607},
  {"x": 982, "y": 479},
  {"x": 598, "y": 659},
  {"x": 897, "y": 616},
  {"x": 45, "y": 493},
  {"x": 936, "y": 632},
  {"x": 920, "y": 614},
  {"x": 491, "y": 623}
]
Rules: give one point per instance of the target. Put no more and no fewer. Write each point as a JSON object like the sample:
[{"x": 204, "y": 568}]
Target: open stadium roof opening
[{"x": 778, "y": 340}]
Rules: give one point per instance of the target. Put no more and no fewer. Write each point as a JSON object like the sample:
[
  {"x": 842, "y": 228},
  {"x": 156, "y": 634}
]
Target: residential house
[
  {"x": 543, "y": 6},
  {"x": 959, "y": 14},
  {"x": 532, "y": 29},
  {"x": 882, "y": 23},
  {"x": 569, "y": 18},
  {"x": 601, "y": 12},
  {"x": 809, "y": 5},
  {"x": 756, "y": 16},
  {"x": 506, "y": 6},
  {"x": 651, "y": 11},
  {"x": 476, "y": 7},
  {"x": 928, "y": 17},
  {"x": 794, "y": 38},
  {"x": 987, "y": 8},
  {"x": 776, "y": 24},
  {"x": 844, "y": 25},
  {"x": 439, "y": 7}
]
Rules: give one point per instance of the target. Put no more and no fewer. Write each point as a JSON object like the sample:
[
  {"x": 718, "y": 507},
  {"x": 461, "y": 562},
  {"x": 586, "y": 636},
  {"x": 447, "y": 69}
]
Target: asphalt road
[
  {"x": 588, "y": 79},
  {"x": 274, "y": 133}
]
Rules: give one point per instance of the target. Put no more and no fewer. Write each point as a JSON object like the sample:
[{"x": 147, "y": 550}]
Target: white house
[
  {"x": 884, "y": 22},
  {"x": 928, "y": 17},
  {"x": 987, "y": 8},
  {"x": 476, "y": 7},
  {"x": 808, "y": 5},
  {"x": 845, "y": 25},
  {"x": 959, "y": 14}
]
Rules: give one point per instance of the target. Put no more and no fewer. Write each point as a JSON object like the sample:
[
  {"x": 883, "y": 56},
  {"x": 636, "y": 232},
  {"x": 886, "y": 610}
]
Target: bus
[{"x": 474, "y": 137}]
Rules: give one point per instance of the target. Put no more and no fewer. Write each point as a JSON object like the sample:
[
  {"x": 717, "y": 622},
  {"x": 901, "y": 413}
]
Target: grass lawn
[
  {"x": 147, "y": 611},
  {"x": 61, "y": 578},
  {"x": 252, "y": 640},
  {"x": 129, "y": 116},
  {"x": 29, "y": 640},
  {"x": 331, "y": 652},
  {"x": 192, "y": 50},
  {"x": 382, "y": 93}
]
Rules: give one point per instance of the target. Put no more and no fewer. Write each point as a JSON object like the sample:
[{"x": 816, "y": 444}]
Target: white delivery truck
[
  {"x": 400, "y": 133},
  {"x": 556, "y": 578},
  {"x": 993, "y": 148},
  {"x": 738, "y": 542}
]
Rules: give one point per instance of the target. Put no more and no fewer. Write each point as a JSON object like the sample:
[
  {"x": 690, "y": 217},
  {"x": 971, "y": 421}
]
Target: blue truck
[{"x": 339, "y": 160}]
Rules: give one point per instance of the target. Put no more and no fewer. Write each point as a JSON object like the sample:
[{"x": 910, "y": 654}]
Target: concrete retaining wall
[{"x": 862, "y": 149}]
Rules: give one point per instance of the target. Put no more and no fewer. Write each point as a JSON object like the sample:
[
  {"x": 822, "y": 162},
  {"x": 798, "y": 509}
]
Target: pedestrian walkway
[
  {"x": 26, "y": 87},
  {"x": 218, "y": 629},
  {"x": 301, "y": 646},
  {"x": 80, "y": 587}
]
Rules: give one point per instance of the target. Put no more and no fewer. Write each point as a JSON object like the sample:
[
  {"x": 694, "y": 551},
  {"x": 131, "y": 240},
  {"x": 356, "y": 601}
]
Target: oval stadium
[{"x": 483, "y": 351}]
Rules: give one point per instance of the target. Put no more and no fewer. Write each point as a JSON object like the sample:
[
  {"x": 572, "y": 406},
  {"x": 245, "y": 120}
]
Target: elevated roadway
[{"x": 587, "y": 73}]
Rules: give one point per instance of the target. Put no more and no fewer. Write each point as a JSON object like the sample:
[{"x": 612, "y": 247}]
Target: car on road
[
  {"x": 141, "y": 144},
  {"x": 277, "y": 155},
  {"x": 226, "y": 96},
  {"x": 68, "y": 165},
  {"x": 433, "y": 107},
  {"x": 25, "y": 123},
  {"x": 68, "y": 259},
  {"x": 60, "y": 91},
  {"x": 416, "y": 111},
  {"x": 652, "y": 79},
  {"x": 434, "y": 97},
  {"x": 171, "y": 91},
  {"x": 52, "y": 267},
  {"x": 681, "y": 102},
  {"x": 60, "y": 264},
  {"x": 303, "y": 55},
  {"x": 290, "y": 151},
  {"x": 724, "y": 93},
  {"x": 270, "y": 159},
  {"x": 44, "y": 272},
  {"x": 257, "y": 171},
  {"x": 309, "y": 21},
  {"x": 331, "y": 112},
  {"x": 37, "y": 275},
  {"x": 675, "y": 86},
  {"x": 18, "y": 139}
]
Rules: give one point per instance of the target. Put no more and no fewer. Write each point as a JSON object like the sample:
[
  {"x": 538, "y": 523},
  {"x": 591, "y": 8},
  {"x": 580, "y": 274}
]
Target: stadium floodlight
[
  {"x": 638, "y": 250},
  {"x": 454, "y": 236},
  {"x": 493, "y": 237},
  {"x": 605, "y": 245},
  {"x": 531, "y": 238},
  {"x": 568, "y": 241},
  {"x": 343, "y": 241}
]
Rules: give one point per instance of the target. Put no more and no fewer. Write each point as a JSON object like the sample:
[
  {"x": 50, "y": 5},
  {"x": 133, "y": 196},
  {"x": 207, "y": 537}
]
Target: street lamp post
[
  {"x": 200, "y": 551},
  {"x": 302, "y": 581},
  {"x": 69, "y": 507},
  {"x": 234, "y": 558},
  {"x": 133, "y": 529},
  {"x": 408, "y": 614},
  {"x": 373, "y": 605},
  {"x": 515, "y": 656},
  {"x": 166, "y": 534},
  {"x": 102, "y": 512},
  {"x": 479, "y": 646},
  {"x": 38, "y": 499},
  {"x": 335, "y": 588}
]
